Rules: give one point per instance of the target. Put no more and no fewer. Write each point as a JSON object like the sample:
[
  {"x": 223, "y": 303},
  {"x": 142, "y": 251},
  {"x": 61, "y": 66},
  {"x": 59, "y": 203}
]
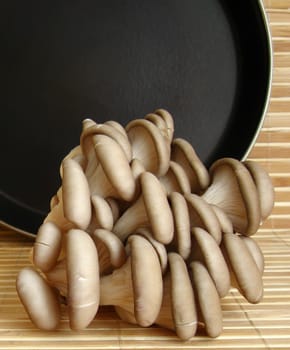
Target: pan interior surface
[{"x": 205, "y": 61}]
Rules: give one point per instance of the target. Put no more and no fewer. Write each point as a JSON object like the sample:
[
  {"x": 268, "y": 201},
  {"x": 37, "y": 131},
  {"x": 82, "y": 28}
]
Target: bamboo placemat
[{"x": 265, "y": 325}]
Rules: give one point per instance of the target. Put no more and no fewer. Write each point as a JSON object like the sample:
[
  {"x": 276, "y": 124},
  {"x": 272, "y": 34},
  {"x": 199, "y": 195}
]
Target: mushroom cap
[
  {"x": 115, "y": 166},
  {"x": 147, "y": 280},
  {"x": 75, "y": 154},
  {"x": 47, "y": 246},
  {"x": 245, "y": 273},
  {"x": 233, "y": 190},
  {"x": 149, "y": 146},
  {"x": 38, "y": 298},
  {"x": 114, "y": 208},
  {"x": 157, "y": 208},
  {"x": 161, "y": 124},
  {"x": 82, "y": 277},
  {"x": 75, "y": 194},
  {"x": 175, "y": 180},
  {"x": 183, "y": 153},
  {"x": 182, "y": 298},
  {"x": 205, "y": 247},
  {"x": 117, "y": 126},
  {"x": 207, "y": 299},
  {"x": 103, "y": 212},
  {"x": 255, "y": 251},
  {"x": 202, "y": 215},
  {"x": 109, "y": 247},
  {"x": 182, "y": 236},
  {"x": 110, "y": 131},
  {"x": 87, "y": 147},
  {"x": 151, "y": 209},
  {"x": 264, "y": 187},
  {"x": 167, "y": 117},
  {"x": 159, "y": 247}
]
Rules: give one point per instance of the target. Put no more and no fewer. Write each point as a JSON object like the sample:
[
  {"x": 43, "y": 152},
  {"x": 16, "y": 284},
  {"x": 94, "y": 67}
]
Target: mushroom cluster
[{"x": 141, "y": 224}]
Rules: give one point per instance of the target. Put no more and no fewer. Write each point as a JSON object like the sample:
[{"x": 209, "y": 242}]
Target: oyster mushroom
[
  {"x": 255, "y": 251},
  {"x": 207, "y": 299},
  {"x": 38, "y": 298},
  {"x": 137, "y": 285},
  {"x": 181, "y": 242},
  {"x": 87, "y": 147},
  {"x": 114, "y": 207},
  {"x": 167, "y": 117},
  {"x": 184, "y": 154},
  {"x": 111, "y": 250},
  {"x": 76, "y": 194},
  {"x": 202, "y": 215},
  {"x": 117, "y": 126},
  {"x": 47, "y": 246},
  {"x": 159, "y": 247},
  {"x": 245, "y": 274},
  {"x": 233, "y": 190},
  {"x": 148, "y": 146},
  {"x": 206, "y": 250},
  {"x": 178, "y": 310},
  {"x": 82, "y": 278},
  {"x": 151, "y": 209},
  {"x": 264, "y": 187},
  {"x": 110, "y": 131},
  {"x": 175, "y": 180},
  {"x": 161, "y": 124},
  {"x": 102, "y": 212},
  {"x": 74, "y": 205},
  {"x": 113, "y": 176}
]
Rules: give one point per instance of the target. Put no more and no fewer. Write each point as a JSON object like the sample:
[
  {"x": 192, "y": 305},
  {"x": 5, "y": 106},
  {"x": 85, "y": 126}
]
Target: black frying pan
[{"x": 207, "y": 61}]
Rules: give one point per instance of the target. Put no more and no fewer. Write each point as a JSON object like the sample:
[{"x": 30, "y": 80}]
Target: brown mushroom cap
[
  {"x": 151, "y": 209},
  {"x": 205, "y": 248},
  {"x": 39, "y": 299},
  {"x": 207, "y": 299},
  {"x": 111, "y": 251},
  {"x": 47, "y": 246},
  {"x": 87, "y": 147},
  {"x": 137, "y": 285},
  {"x": 149, "y": 146},
  {"x": 264, "y": 187},
  {"x": 175, "y": 180},
  {"x": 245, "y": 273},
  {"x": 167, "y": 117},
  {"x": 255, "y": 251},
  {"x": 202, "y": 215},
  {"x": 76, "y": 194},
  {"x": 110, "y": 131},
  {"x": 159, "y": 247},
  {"x": 83, "y": 278},
  {"x": 181, "y": 242},
  {"x": 183, "y": 153},
  {"x": 233, "y": 190},
  {"x": 182, "y": 298},
  {"x": 102, "y": 213},
  {"x": 147, "y": 280},
  {"x": 160, "y": 123},
  {"x": 113, "y": 176}
]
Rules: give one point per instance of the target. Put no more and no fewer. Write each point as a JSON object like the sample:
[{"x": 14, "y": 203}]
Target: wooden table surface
[{"x": 265, "y": 325}]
